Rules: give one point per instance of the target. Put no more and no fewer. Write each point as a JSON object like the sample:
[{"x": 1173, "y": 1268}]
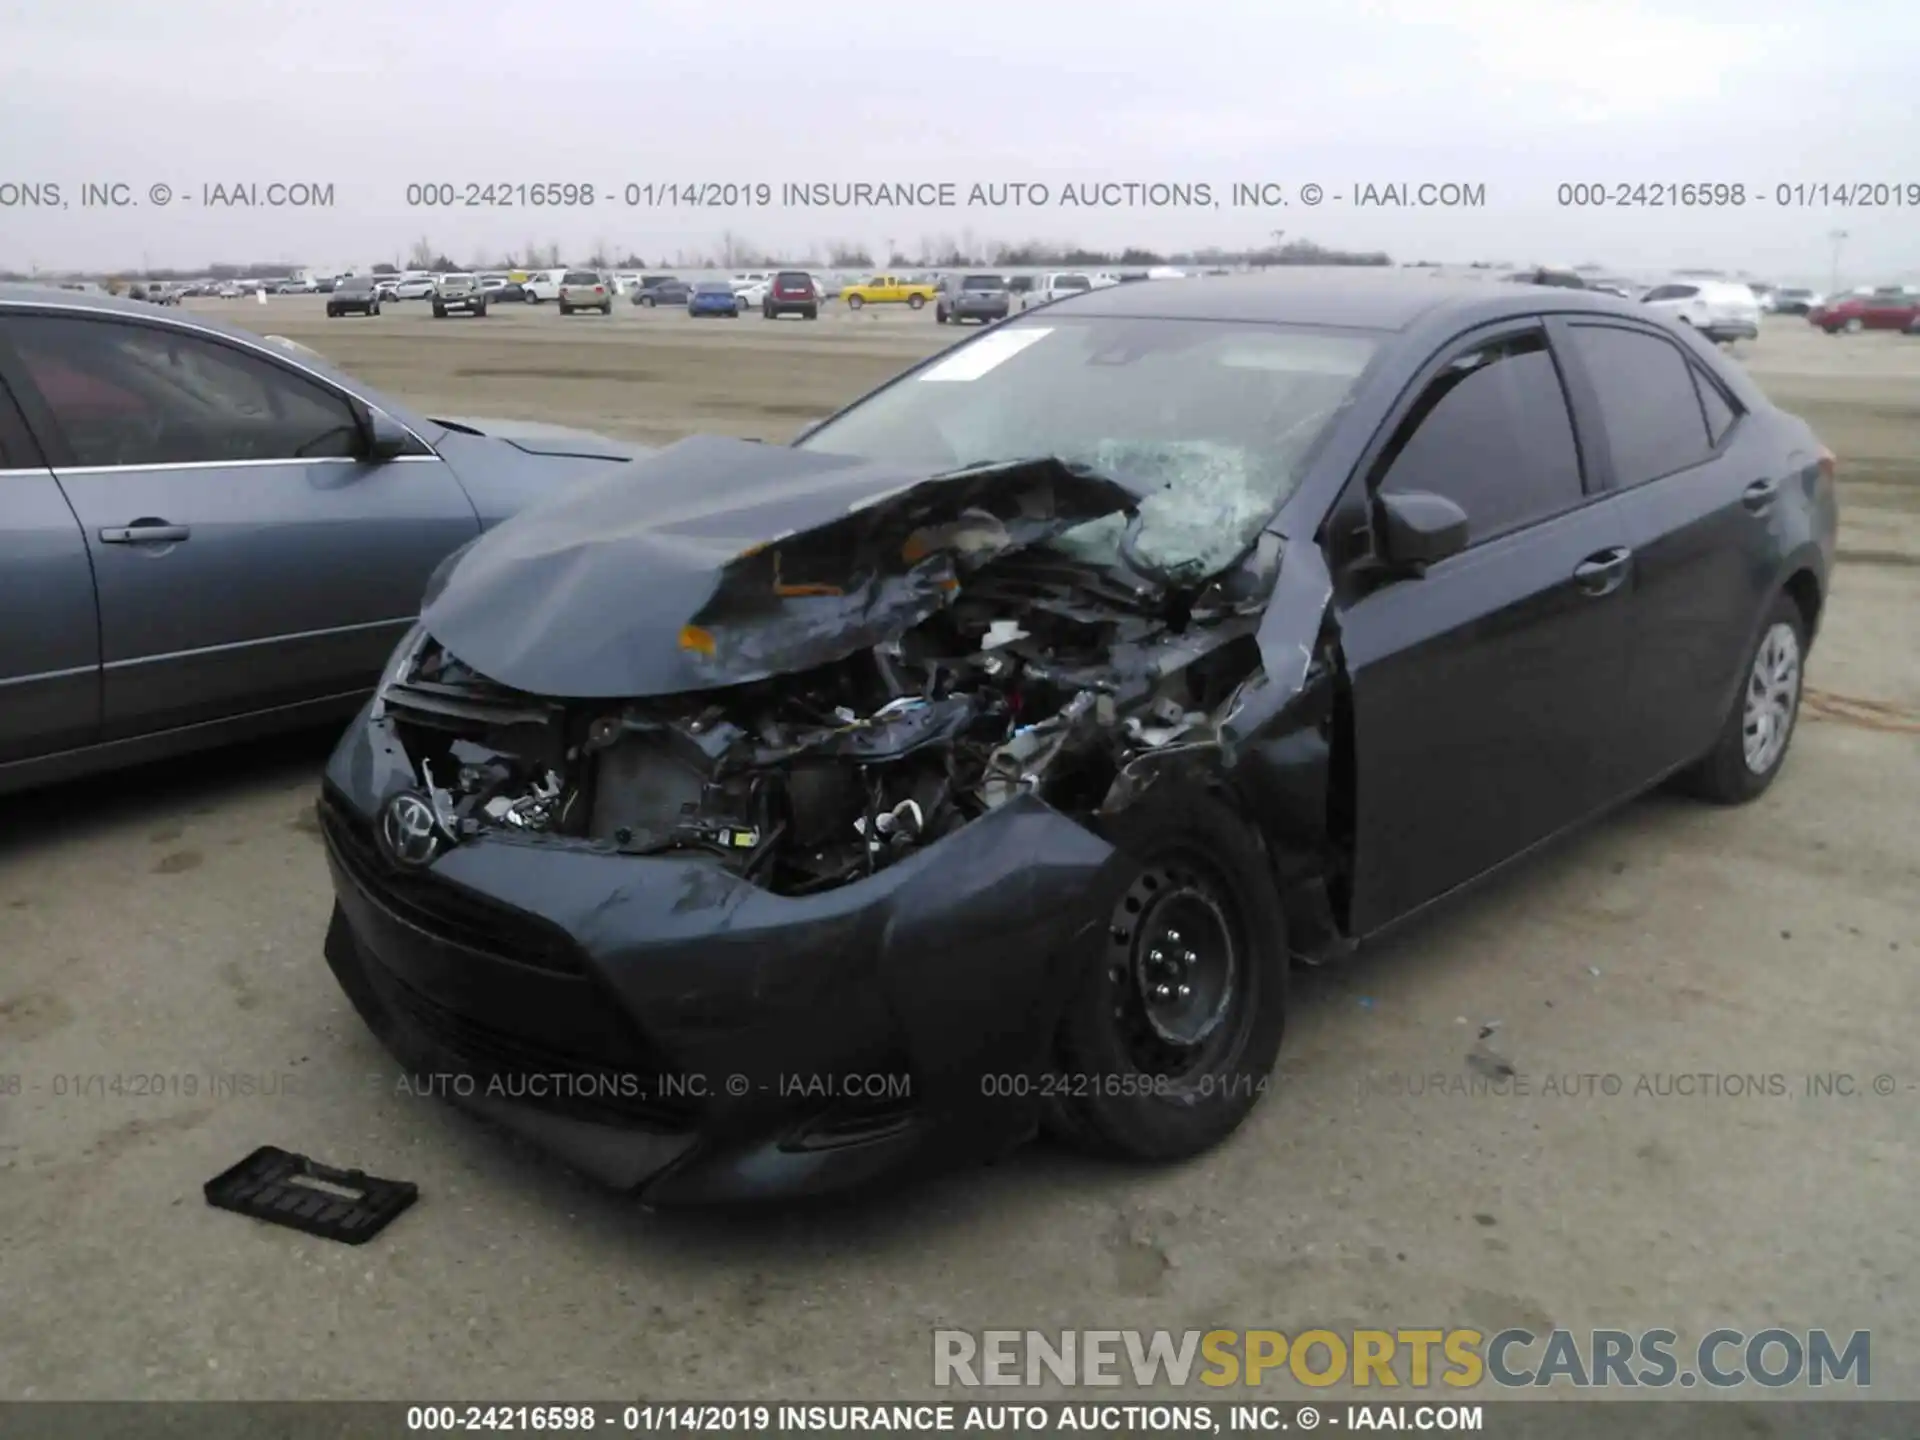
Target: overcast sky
[{"x": 1518, "y": 97}]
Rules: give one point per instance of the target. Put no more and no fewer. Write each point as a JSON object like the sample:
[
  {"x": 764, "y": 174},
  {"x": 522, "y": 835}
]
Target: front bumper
[
  {"x": 461, "y": 302},
  {"x": 697, "y": 1039}
]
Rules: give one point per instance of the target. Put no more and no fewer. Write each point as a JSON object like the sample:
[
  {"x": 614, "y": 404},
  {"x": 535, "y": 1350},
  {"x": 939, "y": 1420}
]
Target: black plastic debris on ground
[{"x": 288, "y": 1189}]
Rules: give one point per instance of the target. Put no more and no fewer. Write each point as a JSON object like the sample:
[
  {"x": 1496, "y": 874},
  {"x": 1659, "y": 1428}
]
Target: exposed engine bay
[{"x": 1043, "y": 676}]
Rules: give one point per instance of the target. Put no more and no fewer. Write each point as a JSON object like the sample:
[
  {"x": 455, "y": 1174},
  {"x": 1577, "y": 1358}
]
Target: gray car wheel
[{"x": 1753, "y": 741}]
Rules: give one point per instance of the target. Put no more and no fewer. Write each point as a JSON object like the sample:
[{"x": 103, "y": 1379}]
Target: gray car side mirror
[
  {"x": 387, "y": 438},
  {"x": 1417, "y": 528}
]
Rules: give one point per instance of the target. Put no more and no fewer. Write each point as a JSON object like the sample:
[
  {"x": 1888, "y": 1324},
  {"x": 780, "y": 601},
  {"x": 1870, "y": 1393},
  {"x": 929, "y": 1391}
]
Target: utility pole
[{"x": 1839, "y": 238}]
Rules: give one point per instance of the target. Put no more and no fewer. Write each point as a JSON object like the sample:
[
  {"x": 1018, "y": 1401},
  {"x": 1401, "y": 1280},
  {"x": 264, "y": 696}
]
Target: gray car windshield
[{"x": 1216, "y": 417}]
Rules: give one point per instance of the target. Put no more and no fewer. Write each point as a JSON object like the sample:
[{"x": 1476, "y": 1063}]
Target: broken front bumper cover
[{"x": 673, "y": 1030}]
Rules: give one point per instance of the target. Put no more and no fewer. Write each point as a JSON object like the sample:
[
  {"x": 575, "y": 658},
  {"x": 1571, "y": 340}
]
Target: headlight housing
[{"x": 398, "y": 665}]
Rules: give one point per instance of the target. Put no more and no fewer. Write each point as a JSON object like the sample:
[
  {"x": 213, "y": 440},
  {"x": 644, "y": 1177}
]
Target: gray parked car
[
  {"x": 972, "y": 297},
  {"x": 461, "y": 292},
  {"x": 205, "y": 535}
]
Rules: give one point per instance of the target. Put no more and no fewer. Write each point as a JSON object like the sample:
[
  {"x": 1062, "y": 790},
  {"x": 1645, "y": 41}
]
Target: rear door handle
[
  {"x": 1601, "y": 574},
  {"x": 145, "y": 532},
  {"x": 1759, "y": 495}
]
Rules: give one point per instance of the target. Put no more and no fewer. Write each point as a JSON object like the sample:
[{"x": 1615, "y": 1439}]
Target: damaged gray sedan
[{"x": 761, "y": 821}]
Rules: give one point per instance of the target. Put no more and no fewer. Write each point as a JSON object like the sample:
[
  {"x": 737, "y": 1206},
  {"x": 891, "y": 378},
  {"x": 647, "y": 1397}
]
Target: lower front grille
[
  {"x": 445, "y": 910},
  {"x": 511, "y": 1067}
]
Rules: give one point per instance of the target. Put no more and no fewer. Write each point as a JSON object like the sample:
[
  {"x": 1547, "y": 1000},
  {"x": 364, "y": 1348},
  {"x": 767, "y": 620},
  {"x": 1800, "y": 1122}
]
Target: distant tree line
[{"x": 734, "y": 252}]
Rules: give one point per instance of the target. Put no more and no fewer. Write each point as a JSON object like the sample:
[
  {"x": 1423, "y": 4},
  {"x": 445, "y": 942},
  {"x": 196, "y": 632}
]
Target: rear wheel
[
  {"x": 607, "y": 309},
  {"x": 914, "y": 302},
  {"x": 1753, "y": 742},
  {"x": 565, "y": 309},
  {"x": 1172, "y": 1036},
  {"x": 812, "y": 312}
]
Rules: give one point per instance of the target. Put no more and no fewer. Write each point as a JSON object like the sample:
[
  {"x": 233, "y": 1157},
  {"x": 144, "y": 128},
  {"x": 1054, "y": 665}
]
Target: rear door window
[
  {"x": 1649, "y": 401},
  {"x": 1493, "y": 433}
]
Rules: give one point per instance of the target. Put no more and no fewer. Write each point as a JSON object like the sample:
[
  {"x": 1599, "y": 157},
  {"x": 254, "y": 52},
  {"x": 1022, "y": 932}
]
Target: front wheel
[
  {"x": 439, "y": 312},
  {"x": 1753, "y": 742},
  {"x": 1854, "y": 326},
  {"x": 1171, "y": 1037}
]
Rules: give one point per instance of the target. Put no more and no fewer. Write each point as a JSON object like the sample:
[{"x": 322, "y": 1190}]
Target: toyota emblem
[{"x": 409, "y": 831}]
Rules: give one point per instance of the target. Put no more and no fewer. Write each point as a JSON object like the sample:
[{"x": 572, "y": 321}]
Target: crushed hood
[
  {"x": 716, "y": 562},
  {"x": 538, "y": 438}
]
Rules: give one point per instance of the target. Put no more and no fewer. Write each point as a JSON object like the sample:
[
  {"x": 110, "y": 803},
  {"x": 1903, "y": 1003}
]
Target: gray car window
[
  {"x": 1648, "y": 402},
  {"x": 123, "y": 394},
  {"x": 1720, "y": 411},
  {"x": 1492, "y": 433}
]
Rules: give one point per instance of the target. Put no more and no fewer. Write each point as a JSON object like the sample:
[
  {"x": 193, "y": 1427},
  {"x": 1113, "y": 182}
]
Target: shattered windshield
[{"x": 1218, "y": 416}]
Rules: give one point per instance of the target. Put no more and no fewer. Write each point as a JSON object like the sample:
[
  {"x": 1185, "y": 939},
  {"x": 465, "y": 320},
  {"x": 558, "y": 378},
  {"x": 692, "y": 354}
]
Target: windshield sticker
[{"x": 970, "y": 362}]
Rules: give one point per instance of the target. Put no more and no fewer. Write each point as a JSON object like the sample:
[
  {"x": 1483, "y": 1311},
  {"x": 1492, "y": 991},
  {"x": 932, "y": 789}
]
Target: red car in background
[{"x": 1882, "y": 310}]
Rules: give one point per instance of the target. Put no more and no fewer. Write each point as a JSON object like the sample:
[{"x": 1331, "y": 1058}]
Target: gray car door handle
[
  {"x": 1601, "y": 574},
  {"x": 1759, "y": 495},
  {"x": 145, "y": 532}
]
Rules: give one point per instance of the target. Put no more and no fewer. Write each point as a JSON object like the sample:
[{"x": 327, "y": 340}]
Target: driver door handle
[
  {"x": 145, "y": 532},
  {"x": 1601, "y": 574}
]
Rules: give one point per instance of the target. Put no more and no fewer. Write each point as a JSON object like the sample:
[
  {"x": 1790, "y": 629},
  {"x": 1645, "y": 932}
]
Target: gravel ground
[{"x": 166, "y": 923}]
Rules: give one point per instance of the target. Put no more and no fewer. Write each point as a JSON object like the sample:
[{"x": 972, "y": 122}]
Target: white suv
[{"x": 1721, "y": 310}]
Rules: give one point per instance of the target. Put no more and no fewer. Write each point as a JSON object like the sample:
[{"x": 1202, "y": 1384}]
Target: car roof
[{"x": 1361, "y": 298}]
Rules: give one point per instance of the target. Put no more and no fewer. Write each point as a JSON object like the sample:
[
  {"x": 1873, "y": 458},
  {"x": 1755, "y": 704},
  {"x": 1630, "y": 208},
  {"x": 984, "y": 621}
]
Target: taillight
[{"x": 599, "y": 289}]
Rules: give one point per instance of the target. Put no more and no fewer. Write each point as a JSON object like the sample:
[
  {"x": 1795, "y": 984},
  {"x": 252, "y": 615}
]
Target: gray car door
[
  {"x": 49, "y": 631},
  {"x": 246, "y": 555}
]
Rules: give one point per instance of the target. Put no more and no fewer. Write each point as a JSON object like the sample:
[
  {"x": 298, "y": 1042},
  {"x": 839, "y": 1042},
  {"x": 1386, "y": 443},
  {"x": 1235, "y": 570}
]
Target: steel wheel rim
[
  {"x": 1176, "y": 908},
  {"x": 1773, "y": 693}
]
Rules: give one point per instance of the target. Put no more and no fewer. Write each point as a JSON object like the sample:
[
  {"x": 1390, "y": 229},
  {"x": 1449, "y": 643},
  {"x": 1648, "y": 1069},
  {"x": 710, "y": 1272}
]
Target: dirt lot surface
[{"x": 164, "y": 927}]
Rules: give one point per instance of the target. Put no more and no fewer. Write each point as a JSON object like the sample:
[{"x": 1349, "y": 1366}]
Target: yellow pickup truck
[{"x": 889, "y": 290}]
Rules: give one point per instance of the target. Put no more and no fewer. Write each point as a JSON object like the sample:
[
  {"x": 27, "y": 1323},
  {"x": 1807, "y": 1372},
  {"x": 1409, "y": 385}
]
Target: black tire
[
  {"x": 914, "y": 302},
  {"x": 854, "y": 302},
  {"x": 607, "y": 309},
  {"x": 1128, "y": 1091},
  {"x": 374, "y": 309},
  {"x": 939, "y": 316},
  {"x": 566, "y": 309},
  {"x": 647, "y": 300},
  {"x": 439, "y": 312},
  {"x": 812, "y": 312},
  {"x": 1723, "y": 775}
]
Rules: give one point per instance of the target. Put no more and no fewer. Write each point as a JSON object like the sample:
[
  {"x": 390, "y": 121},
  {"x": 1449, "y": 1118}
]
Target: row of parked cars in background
[{"x": 1722, "y": 309}]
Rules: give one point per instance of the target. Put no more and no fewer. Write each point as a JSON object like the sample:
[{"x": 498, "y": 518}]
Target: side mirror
[
  {"x": 387, "y": 438},
  {"x": 1416, "y": 528}
]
